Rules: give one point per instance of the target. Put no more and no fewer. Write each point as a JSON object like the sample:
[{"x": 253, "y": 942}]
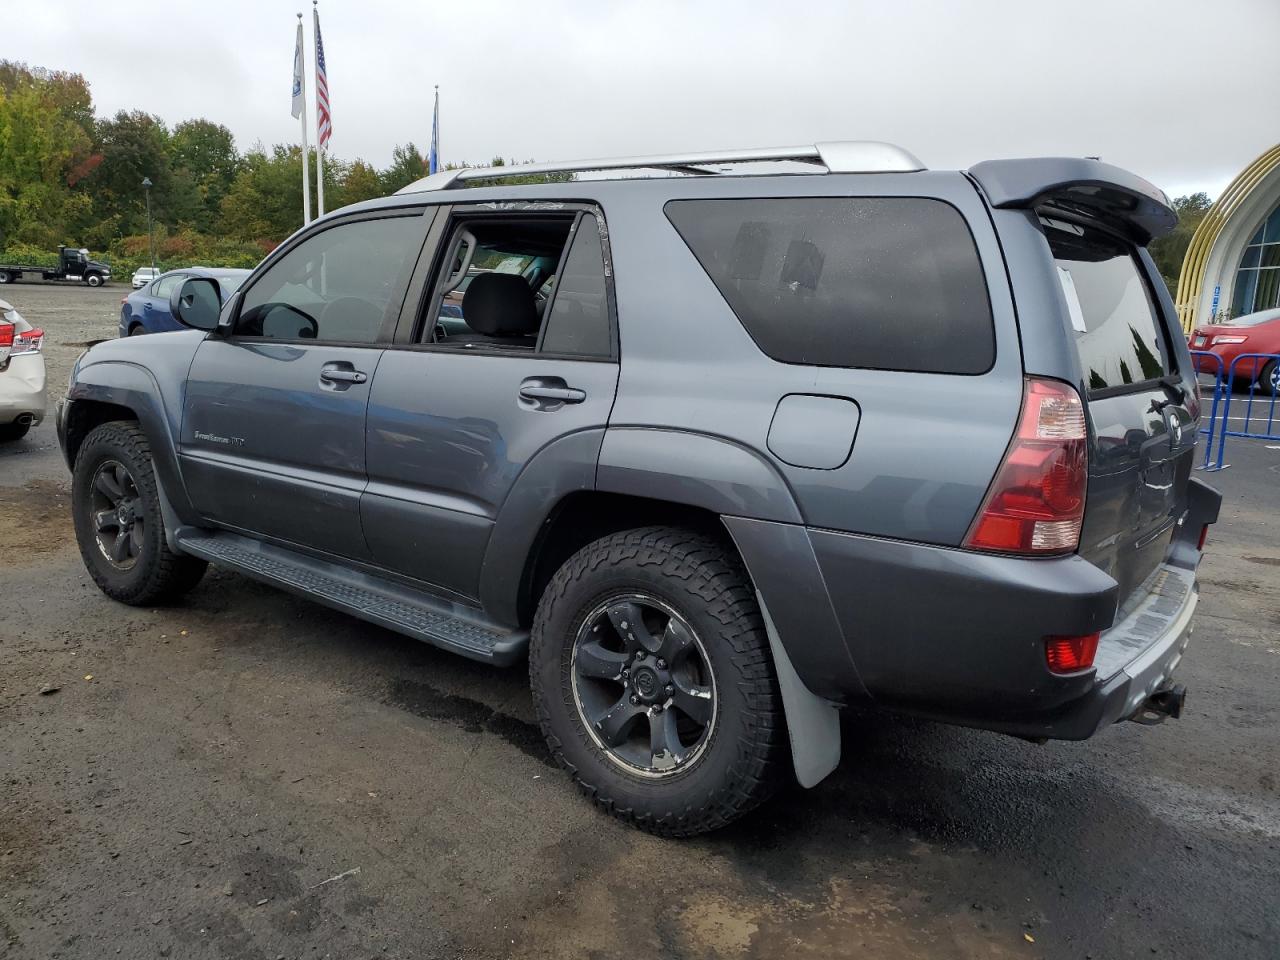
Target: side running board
[{"x": 375, "y": 599}]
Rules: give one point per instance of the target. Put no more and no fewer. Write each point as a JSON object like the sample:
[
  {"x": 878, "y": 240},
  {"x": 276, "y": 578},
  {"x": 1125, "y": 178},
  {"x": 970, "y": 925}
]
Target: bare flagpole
[{"x": 300, "y": 110}]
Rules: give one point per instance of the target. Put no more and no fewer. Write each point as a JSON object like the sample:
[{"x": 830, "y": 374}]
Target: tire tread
[
  {"x": 713, "y": 573},
  {"x": 170, "y": 574}
]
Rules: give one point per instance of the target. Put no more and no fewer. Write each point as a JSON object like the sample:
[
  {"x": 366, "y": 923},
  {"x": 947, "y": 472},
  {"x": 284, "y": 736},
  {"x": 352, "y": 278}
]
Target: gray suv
[{"x": 716, "y": 452}]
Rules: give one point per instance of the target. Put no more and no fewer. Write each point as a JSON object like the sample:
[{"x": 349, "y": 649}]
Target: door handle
[
  {"x": 545, "y": 391},
  {"x": 331, "y": 373}
]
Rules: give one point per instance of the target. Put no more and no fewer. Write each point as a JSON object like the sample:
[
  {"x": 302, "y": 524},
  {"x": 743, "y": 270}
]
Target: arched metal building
[{"x": 1232, "y": 266}]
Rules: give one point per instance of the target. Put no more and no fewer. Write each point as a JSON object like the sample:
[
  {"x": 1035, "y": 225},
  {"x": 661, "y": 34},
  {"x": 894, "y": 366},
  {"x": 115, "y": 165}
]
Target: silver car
[
  {"x": 22, "y": 381},
  {"x": 144, "y": 275}
]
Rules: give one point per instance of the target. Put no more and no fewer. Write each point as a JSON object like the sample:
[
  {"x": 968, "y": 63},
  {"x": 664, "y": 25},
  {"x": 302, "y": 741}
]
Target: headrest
[{"x": 500, "y": 305}]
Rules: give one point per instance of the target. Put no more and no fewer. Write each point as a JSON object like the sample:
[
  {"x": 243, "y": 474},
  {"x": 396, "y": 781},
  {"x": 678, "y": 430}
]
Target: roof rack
[{"x": 837, "y": 156}]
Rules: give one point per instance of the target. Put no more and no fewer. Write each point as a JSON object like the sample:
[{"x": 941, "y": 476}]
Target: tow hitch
[{"x": 1164, "y": 703}]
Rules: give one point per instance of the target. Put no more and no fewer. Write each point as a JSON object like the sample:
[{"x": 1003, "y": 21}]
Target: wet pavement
[{"x": 251, "y": 775}]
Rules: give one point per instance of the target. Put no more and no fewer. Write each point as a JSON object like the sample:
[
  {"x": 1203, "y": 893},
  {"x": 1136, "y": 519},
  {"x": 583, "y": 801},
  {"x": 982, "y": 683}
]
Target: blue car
[{"x": 147, "y": 310}]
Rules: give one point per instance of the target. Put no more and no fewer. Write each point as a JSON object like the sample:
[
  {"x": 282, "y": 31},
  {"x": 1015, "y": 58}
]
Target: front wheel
[
  {"x": 119, "y": 527},
  {"x": 93, "y": 280},
  {"x": 653, "y": 682}
]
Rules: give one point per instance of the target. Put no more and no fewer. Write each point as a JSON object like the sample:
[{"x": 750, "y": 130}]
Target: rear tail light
[
  {"x": 1070, "y": 654},
  {"x": 28, "y": 342},
  {"x": 1204, "y": 535},
  {"x": 7, "y": 333},
  {"x": 1036, "y": 504}
]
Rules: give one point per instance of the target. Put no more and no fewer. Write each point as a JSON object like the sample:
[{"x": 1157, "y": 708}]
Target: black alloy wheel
[
  {"x": 117, "y": 515},
  {"x": 643, "y": 686}
]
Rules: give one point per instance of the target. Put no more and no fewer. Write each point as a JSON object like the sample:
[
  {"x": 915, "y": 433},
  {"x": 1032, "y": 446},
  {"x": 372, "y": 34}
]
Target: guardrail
[{"x": 1262, "y": 372}]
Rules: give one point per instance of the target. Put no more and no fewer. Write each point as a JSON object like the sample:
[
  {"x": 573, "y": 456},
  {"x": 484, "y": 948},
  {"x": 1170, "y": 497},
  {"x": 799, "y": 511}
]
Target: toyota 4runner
[{"x": 717, "y": 454}]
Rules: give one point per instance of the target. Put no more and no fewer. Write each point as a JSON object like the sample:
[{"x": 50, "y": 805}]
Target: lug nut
[
  {"x": 625, "y": 673},
  {"x": 634, "y": 700},
  {"x": 639, "y": 654},
  {"x": 662, "y": 664},
  {"x": 657, "y": 708},
  {"x": 670, "y": 688}
]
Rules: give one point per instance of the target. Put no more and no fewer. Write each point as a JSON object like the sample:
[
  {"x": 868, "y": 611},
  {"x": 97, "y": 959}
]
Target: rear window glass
[
  {"x": 1115, "y": 324},
  {"x": 579, "y": 320},
  {"x": 891, "y": 283}
]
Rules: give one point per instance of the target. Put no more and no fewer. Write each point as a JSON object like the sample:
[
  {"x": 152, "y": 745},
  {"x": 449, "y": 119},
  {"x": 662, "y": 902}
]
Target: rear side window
[
  {"x": 579, "y": 319},
  {"x": 890, "y": 283},
  {"x": 1116, "y": 328}
]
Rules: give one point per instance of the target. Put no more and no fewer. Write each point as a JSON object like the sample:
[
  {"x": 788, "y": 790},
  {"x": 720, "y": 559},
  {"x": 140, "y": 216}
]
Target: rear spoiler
[{"x": 1116, "y": 197}]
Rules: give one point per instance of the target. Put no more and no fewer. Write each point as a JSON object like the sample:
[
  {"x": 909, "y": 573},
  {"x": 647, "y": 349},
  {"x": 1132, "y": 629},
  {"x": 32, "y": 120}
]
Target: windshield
[{"x": 229, "y": 285}]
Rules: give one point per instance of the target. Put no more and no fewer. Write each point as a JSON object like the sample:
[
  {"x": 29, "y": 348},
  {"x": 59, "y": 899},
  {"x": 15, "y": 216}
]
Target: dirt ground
[{"x": 249, "y": 775}]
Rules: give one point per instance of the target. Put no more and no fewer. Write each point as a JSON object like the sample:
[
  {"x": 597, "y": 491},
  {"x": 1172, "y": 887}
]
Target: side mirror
[{"x": 196, "y": 303}]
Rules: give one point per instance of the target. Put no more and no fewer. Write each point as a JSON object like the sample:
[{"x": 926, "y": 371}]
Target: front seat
[{"x": 501, "y": 309}]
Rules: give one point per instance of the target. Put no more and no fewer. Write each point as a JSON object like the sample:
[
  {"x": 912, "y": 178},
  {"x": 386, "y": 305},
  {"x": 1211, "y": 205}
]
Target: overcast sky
[{"x": 1183, "y": 92}]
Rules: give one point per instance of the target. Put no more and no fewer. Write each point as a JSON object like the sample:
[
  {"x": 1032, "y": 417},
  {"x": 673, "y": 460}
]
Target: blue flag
[{"x": 433, "y": 158}]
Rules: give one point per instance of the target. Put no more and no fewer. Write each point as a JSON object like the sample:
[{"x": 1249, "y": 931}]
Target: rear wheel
[
  {"x": 4, "y": 276},
  {"x": 653, "y": 682},
  {"x": 137, "y": 330},
  {"x": 119, "y": 527},
  {"x": 1269, "y": 381},
  {"x": 10, "y": 432}
]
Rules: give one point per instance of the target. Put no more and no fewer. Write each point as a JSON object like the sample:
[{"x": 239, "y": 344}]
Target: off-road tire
[
  {"x": 159, "y": 574},
  {"x": 702, "y": 579}
]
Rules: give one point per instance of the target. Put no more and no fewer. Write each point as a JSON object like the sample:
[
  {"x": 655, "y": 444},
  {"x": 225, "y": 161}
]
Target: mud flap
[{"x": 813, "y": 724}]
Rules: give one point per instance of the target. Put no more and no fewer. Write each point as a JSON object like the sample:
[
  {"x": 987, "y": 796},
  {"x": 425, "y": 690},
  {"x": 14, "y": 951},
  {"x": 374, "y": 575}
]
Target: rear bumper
[
  {"x": 22, "y": 389},
  {"x": 1139, "y": 654},
  {"x": 958, "y": 636}
]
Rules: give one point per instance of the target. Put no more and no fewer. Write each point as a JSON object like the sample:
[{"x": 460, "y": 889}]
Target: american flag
[{"x": 324, "y": 123}]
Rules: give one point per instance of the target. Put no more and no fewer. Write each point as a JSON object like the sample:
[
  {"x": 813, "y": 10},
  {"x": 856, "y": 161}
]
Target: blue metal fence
[
  {"x": 1261, "y": 371},
  {"x": 1219, "y": 386}
]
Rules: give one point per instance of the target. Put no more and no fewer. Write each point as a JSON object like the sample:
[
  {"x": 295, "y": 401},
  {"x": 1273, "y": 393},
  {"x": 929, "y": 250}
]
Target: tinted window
[
  {"x": 892, "y": 283},
  {"x": 336, "y": 285},
  {"x": 1116, "y": 328},
  {"x": 579, "y": 320}
]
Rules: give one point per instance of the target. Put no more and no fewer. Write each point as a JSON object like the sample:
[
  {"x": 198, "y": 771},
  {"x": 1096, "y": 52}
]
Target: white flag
[{"x": 297, "y": 75}]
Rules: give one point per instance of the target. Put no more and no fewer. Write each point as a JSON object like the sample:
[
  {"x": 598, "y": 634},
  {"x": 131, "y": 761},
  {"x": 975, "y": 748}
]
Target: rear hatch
[{"x": 1140, "y": 401}]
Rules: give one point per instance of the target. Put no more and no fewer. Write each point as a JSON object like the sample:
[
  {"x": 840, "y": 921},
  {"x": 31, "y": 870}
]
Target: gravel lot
[{"x": 250, "y": 775}]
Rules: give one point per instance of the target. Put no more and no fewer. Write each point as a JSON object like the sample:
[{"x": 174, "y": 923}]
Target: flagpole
[
  {"x": 433, "y": 155},
  {"x": 301, "y": 74},
  {"x": 315, "y": 11}
]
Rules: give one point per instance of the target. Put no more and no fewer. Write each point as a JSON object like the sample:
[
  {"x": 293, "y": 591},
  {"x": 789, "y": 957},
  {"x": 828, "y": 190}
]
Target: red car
[{"x": 1252, "y": 333}]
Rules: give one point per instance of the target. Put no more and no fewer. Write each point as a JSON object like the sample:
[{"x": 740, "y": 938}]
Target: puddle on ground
[{"x": 426, "y": 701}]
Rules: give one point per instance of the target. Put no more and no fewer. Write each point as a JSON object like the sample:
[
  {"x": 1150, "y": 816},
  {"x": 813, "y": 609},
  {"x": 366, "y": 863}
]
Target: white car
[
  {"x": 144, "y": 275},
  {"x": 22, "y": 384}
]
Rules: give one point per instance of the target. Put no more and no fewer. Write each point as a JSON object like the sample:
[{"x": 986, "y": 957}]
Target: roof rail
[{"x": 837, "y": 156}]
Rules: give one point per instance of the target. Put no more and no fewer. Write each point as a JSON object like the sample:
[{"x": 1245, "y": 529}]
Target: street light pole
[{"x": 151, "y": 240}]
